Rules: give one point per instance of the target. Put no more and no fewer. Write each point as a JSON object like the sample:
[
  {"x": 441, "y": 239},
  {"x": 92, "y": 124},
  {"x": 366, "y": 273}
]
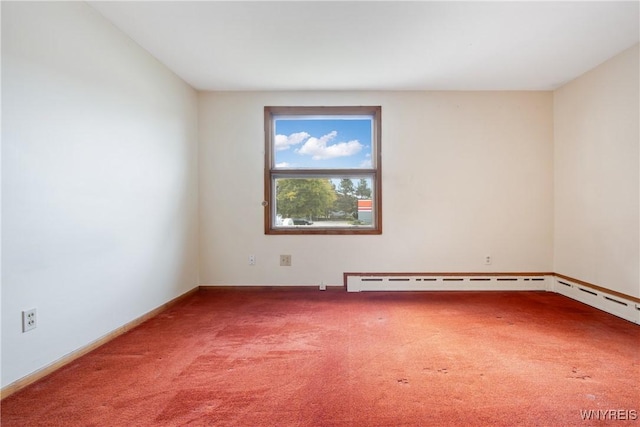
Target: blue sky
[{"x": 323, "y": 143}]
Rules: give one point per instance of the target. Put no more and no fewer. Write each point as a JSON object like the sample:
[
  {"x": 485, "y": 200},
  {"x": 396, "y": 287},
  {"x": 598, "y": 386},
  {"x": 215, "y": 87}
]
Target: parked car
[
  {"x": 300, "y": 221},
  {"x": 338, "y": 215}
]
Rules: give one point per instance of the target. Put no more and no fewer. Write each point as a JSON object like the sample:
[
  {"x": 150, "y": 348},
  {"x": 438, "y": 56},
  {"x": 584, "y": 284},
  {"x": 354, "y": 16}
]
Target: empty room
[{"x": 320, "y": 213}]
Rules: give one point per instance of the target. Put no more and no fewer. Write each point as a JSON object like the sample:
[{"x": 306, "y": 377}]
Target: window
[{"x": 322, "y": 170}]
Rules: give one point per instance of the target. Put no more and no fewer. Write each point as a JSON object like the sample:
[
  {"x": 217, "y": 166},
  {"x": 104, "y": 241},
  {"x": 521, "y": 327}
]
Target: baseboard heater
[
  {"x": 359, "y": 282},
  {"x": 619, "y": 305}
]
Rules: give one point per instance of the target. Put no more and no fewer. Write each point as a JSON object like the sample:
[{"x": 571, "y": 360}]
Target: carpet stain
[
  {"x": 576, "y": 376},
  {"x": 439, "y": 370}
]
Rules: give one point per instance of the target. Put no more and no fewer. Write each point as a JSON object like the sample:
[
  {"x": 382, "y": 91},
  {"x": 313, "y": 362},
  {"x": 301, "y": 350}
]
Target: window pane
[
  {"x": 322, "y": 170},
  {"x": 323, "y": 142},
  {"x": 324, "y": 202}
]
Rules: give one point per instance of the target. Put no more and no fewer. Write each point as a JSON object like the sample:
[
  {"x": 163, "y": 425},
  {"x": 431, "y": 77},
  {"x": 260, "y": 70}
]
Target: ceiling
[{"x": 379, "y": 45}]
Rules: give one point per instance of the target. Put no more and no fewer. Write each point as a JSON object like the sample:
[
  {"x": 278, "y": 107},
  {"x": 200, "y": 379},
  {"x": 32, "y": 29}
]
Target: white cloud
[
  {"x": 319, "y": 150},
  {"x": 367, "y": 163},
  {"x": 282, "y": 165},
  {"x": 284, "y": 142}
]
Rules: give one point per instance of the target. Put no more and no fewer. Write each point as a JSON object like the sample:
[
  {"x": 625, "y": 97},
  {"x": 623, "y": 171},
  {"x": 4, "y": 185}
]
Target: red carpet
[{"x": 310, "y": 358}]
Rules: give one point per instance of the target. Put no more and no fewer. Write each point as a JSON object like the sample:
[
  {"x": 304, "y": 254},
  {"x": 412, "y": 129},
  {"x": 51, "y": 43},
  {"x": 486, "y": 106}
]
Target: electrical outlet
[
  {"x": 252, "y": 260},
  {"x": 323, "y": 287},
  {"x": 487, "y": 260},
  {"x": 28, "y": 320},
  {"x": 285, "y": 260}
]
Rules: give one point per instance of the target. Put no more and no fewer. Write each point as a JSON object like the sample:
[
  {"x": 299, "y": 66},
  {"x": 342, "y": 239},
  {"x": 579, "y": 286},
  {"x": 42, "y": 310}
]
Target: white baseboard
[
  {"x": 612, "y": 304},
  {"x": 471, "y": 282}
]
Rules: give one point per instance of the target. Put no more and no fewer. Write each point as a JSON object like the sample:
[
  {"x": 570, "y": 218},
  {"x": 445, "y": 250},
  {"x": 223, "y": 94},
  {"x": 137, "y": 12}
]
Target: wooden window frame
[{"x": 270, "y": 172}]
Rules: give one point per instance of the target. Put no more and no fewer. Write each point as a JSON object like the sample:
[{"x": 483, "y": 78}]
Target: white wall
[
  {"x": 597, "y": 235},
  {"x": 464, "y": 175},
  {"x": 99, "y": 181}
]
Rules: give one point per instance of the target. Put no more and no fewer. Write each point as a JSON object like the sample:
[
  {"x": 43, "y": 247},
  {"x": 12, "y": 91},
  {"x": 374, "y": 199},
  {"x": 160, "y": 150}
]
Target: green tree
[
  {"x": 304, "y": 198},
  {"x": 346, "y": 187},
  {"x": 346, "y": 200},
  {"x": 363, "y": 191}
]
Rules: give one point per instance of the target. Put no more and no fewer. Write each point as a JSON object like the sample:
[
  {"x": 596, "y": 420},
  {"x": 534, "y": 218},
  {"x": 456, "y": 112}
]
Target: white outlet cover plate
[{"x": 29, "y": 320}]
